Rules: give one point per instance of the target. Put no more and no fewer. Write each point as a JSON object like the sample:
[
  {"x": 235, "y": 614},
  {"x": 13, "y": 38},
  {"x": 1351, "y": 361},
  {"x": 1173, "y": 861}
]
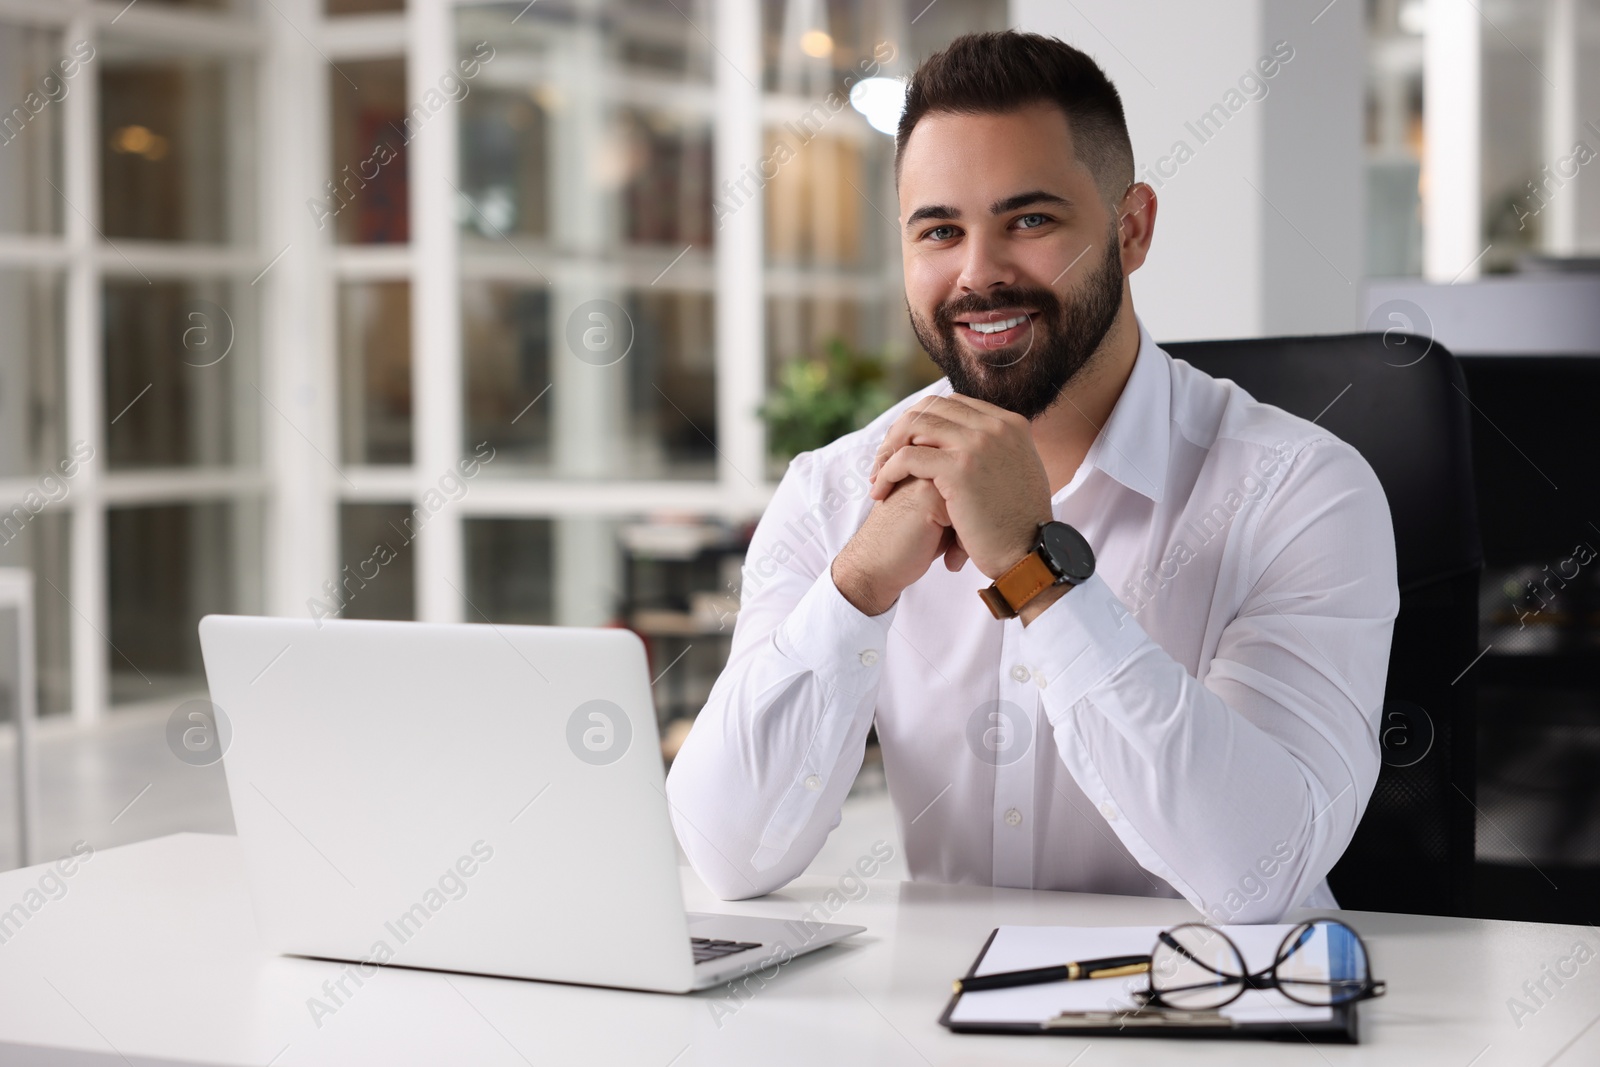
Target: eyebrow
[{"x": 999, "y": 207}]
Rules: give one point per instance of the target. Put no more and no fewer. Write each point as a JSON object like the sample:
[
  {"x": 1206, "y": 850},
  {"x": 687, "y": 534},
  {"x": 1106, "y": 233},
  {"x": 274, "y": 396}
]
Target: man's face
[{"x": 1013, "y": 269}]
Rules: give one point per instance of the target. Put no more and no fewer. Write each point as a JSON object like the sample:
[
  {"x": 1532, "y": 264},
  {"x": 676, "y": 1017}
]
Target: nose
[{"x": 986, "y": 265}]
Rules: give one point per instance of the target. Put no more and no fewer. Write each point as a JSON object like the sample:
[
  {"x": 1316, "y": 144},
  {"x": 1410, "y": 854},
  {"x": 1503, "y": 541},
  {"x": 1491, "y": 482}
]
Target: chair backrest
[{"x": 1401, "y": 401}]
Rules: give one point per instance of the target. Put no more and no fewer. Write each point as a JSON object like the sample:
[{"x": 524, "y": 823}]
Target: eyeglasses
[{"x": 1195, "y": 967}]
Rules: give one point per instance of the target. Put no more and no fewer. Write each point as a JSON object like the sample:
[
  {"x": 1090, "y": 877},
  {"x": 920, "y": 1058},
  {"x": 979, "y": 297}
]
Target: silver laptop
[{"x": 486, "y": 799}]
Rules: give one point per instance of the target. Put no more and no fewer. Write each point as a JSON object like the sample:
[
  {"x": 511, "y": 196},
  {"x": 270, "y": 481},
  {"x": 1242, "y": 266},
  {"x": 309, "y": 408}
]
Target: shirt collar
[{"x": 1132, "y": 446}]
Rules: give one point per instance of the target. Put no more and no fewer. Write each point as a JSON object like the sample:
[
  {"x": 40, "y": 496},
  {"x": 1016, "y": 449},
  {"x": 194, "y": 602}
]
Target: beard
[{"x": 1028, "y": 375}]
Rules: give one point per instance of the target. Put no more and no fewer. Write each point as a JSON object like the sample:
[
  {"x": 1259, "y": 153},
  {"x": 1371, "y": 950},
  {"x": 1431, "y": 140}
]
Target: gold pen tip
[{"x": 956, "y": 985}]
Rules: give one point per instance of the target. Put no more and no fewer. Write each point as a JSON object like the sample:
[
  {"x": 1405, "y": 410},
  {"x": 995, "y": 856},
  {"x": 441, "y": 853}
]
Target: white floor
[
  {"x": 118, "y": 782},
  {"x": 110, "y": 785}
]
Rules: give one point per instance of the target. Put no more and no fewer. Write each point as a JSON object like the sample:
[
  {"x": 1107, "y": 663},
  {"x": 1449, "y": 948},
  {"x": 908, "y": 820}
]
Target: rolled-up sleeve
[
  {"x": 1273, "y": 753},
  {"x": 760, "y": 781}
]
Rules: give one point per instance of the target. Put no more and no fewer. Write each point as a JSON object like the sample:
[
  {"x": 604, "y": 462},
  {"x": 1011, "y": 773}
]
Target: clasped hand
[
  {"x": 955, "y": 477},
  {"x": 982, "y": 460}
]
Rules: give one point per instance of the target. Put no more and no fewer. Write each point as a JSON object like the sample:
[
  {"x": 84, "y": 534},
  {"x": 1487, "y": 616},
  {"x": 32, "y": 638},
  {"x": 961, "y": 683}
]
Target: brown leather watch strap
[{"x": 1013, "y": 589}]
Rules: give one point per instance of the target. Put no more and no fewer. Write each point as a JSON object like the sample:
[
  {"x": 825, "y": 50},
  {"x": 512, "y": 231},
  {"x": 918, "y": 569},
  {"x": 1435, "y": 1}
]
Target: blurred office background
[{"x": 271, "y": 271}]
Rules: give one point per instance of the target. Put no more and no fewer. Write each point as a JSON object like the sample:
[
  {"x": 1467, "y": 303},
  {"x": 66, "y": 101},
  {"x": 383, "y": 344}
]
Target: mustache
[{"x": 1043, "y": 301}]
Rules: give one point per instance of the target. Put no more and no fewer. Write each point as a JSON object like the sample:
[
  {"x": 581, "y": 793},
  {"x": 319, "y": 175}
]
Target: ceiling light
[
  {"x": 881, "y": 100},
  {"x": 816, "y": 44}
]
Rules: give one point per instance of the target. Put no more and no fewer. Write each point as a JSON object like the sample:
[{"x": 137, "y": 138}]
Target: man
[{"x": 1153, "y": 660}]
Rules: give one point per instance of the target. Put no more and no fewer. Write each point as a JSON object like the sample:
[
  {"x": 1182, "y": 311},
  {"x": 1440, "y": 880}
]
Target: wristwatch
[{"x": 1060, "y": 556}]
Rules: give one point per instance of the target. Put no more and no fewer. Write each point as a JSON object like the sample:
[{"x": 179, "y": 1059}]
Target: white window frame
[
  {"x": 88, "y": 259},
  {"x": 307, "y": 528},
  {"x": 296, "y": 272}
]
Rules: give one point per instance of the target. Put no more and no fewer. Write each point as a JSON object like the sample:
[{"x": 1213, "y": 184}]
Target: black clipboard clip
[{"x": 1137, "y": 1019}]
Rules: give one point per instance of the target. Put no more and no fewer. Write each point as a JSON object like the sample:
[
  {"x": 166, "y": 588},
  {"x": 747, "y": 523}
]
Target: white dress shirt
[{"x": 1200, "y": 718}]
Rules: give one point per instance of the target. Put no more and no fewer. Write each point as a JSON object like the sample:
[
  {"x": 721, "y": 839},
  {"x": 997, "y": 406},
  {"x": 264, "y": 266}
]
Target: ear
[{"x": 1136, "y": 225}]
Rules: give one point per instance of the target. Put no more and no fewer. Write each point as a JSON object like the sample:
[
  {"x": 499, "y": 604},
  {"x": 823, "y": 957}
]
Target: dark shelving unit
[
  {"x": 1538, "y": 678},
  {"x": 681, "y": 595}
]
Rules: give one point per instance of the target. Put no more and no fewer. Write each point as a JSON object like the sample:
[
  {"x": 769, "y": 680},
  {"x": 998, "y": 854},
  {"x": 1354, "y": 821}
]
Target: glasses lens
[
  {"x": 1195, "y": 968},
  {"x": 1322, "y": 963}
]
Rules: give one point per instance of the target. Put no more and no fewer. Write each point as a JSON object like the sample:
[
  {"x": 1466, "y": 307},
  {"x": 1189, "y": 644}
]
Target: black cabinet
[
  {"x": 681, "y": 594},
  {"x": 1536, "y": 456}
]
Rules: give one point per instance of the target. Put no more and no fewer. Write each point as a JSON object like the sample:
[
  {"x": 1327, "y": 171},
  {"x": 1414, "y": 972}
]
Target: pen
[{"x": 1108, "y": 967}]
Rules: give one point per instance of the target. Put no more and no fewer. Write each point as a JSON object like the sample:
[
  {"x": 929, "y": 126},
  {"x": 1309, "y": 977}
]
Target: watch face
[{"x": 1066, "y": 551}]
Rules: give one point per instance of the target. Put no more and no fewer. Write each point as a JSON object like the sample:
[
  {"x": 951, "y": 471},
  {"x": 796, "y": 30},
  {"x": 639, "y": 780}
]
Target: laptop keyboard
[{"x": 706, "y": 949}]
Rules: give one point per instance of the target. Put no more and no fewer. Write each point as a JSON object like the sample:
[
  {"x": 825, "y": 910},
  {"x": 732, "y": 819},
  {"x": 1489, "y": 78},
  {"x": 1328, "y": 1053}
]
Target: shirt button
[
  {"x": 869, "y": 656},
  {"x": 1040, "y": 680},
  {"x": 1013, "y": 817},
  {"x": 1019, "y": 673},
  {"x": 813, "y": 783},
  {"x": 1109, "y": 810}
]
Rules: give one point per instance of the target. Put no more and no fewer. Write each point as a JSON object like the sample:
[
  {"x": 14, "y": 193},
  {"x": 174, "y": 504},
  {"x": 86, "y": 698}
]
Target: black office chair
[{"x": 1403, "y": 405}]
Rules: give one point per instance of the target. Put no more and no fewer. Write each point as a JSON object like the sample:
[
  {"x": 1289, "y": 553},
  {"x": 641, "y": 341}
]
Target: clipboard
[{"x": 1339, "y": 1027}]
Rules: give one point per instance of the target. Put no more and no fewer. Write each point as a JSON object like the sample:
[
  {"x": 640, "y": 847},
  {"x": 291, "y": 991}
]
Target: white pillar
[
  {"x": 1260, "y": 227},
  {"x": 585, "y": 570},
  {"x": 740, "y": 301},
  {"x": 436, "y": 417},
  {"x": 591, "y": 432},
  {"x": 296, "y": 300},
  {"x": 91, "y": 617},
  {"x": 1559, "y": 232},
  {"x": 1452, "y": 164}
]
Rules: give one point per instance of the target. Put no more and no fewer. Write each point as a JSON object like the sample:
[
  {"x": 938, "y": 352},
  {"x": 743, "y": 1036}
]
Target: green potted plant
[{"x": 820, "y": 398}]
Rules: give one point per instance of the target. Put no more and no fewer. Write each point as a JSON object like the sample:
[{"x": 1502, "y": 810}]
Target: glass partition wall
[
  {"x": 130, "y": 468},
  {"x": 430, "y": 310}
]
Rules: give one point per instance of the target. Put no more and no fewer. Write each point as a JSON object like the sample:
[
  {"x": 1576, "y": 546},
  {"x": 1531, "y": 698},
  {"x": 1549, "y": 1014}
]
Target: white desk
[{"x": 151, "y": 957}]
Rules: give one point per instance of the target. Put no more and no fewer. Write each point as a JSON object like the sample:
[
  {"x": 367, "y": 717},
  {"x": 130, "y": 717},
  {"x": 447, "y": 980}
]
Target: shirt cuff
[
  {"x": 1078, "y": 640},
  {"x": 831, "y": 638}
]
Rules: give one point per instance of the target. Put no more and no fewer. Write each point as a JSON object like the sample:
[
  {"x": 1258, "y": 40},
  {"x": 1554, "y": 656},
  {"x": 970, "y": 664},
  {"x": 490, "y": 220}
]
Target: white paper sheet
[{"x": 1017, "y": 948}]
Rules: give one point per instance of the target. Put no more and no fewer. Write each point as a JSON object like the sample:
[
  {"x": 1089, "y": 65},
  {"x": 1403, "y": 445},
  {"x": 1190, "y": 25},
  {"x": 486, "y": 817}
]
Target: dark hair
[{"x": 992, "y": 73}]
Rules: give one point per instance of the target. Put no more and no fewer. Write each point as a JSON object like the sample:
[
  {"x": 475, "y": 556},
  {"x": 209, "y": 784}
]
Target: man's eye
[
  {"x": 1039, "y": 220},
  {"x": 938, "y": 233}
]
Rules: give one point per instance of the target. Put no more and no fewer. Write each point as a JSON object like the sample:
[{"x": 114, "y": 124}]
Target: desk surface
[{"x": 151, "y": 956}]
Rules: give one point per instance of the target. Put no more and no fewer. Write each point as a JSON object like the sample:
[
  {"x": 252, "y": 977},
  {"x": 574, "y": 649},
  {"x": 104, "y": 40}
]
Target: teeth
[{"x": 996, "y": 327}]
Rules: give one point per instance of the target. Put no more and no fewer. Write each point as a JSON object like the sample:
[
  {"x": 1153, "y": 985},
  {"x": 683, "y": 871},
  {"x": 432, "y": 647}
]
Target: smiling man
[{"x": 1153, "y": 658}]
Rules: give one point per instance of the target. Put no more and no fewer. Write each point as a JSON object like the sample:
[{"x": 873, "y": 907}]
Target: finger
[
  {"x": 938, "y": 509},
  {"x": 955, "y": 557},
  {"x": 980, "y": 409},
  {"x": 917, "y": 493},
  {"x": 934, "y": 430},
  {"x": 899, "y": 432},
  {"x": 913, "y": 461},
  {"x": 986, "y": 415},
  {"x": 950, "y": 411},
  {"x": 973, "y": 414},
  {"x": 956, "y": 410},
  {"x": 953, "y": 408}
]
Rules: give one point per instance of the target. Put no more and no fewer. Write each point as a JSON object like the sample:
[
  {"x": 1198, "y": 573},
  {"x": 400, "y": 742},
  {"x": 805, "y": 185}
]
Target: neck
[{"x": 1064, "y": 433}]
